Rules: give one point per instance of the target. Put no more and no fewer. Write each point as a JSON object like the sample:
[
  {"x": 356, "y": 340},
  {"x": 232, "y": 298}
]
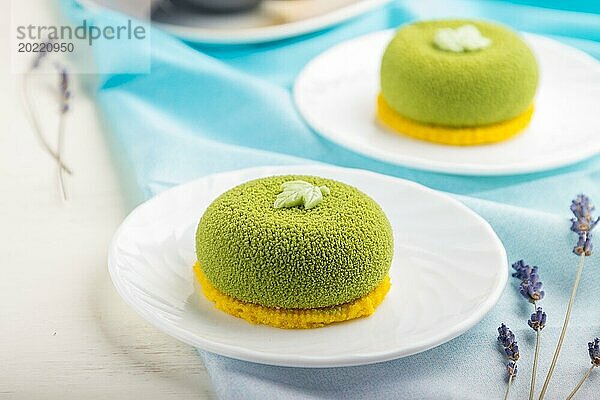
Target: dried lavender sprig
[
  {"x": 532, "y": 289},
  {"x": 537, "y": 322},
  {"x": 65, "y": 96},
  {"x": 507, "y": 339},
  {"x": 511, "y": 349},
  {"x": 594, "y": 351},
  {"x": 582, "y": 224},
  {"x": 29, "y": 109}
]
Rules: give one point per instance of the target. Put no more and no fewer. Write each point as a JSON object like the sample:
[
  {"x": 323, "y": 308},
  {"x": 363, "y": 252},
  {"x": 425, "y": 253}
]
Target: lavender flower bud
[
  {"x": 64, "y": 80},
  {"x": 523, "y": 271},
  {"x": 512, "y": 352},
  {"x": 507, "y": 339},
  {"x": 537, "y": 322},
  {"x": 505, "y": 336},
  {"x": 575, "y": 227},
  {"x": 582, "y": 224},
  {"x": 582, "y": 208},
  {"x": 532, "y": 289},
  {"x": 594, "y": 350},
  {"x": 584, "y": 244},
  {"x": 511, "y": 369},
  {"x": 63, "y": 87},
  {"x": 587, "y": 245},
  {"x": 579, "y": 247}
]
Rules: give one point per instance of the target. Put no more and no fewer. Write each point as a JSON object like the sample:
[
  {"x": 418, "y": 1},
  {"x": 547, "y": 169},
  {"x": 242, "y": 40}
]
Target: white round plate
[
  {"x": 272, "y": 20},
  {"x": 336, "y": 94},
  {"x": 448, "y": 271}
]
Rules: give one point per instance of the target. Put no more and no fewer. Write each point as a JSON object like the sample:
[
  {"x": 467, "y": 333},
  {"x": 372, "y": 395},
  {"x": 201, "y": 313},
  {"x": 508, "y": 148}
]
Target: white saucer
[
  {"x": 449, "y": 270},
  {"x": 336, "y": 94},
  {"x": 272, "y": 20}
]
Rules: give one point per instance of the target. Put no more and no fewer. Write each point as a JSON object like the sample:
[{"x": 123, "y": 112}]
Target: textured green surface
[
  {"x": 292, "y": 257},
  {"x": 434, "y": 86}
]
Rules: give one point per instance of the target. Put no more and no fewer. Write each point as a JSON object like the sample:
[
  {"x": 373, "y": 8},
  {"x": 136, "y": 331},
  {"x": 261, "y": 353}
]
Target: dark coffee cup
[{"x": 218, "y": 6}]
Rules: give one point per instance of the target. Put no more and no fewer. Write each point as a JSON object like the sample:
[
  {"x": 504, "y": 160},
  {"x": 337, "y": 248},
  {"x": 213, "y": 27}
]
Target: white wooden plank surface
[{"x": 64, "y": 332}]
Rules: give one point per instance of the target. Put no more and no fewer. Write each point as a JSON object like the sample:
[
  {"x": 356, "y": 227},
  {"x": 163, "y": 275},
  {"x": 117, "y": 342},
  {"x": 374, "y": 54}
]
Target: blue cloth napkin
[{"x": 206, "y": 109}]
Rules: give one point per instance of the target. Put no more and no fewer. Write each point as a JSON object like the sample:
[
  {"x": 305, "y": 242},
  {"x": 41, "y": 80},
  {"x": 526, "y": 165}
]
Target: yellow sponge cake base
[
  {"x": 454, "y": 136},
  {"x": 293, "y": 318}
]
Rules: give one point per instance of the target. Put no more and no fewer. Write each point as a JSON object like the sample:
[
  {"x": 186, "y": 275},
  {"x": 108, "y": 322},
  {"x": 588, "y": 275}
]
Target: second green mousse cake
[
  {"x": 431, "y": 85},
  {"x": 293, "y": 257}
]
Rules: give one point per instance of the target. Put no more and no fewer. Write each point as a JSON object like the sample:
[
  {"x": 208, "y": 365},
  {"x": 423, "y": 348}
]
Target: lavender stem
[
  {"x": 535, "y": 363},
  {"x": 36, "y": 127},
  {"x": 61, "y": 130},
  {"x": 587, "y": 374},
  {"x": 564, "y": 328},
  {"x": 510, "y": 379}
]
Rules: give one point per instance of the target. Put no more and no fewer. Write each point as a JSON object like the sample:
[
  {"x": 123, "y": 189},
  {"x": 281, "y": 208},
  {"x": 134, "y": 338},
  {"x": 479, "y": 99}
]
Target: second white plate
[
  {"x": 272, "y": 20},
  {"x": 336, "y": 94},
  {"x": 449, "y": 270}
]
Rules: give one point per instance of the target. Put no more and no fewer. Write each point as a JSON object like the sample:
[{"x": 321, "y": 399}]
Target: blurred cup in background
[{"x": 218, "y": 6}]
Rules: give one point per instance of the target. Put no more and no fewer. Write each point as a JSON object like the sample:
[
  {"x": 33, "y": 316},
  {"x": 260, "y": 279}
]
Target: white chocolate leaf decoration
[
  {"x": 462, "y": 39},
  {"x": 296, "y": 193}
]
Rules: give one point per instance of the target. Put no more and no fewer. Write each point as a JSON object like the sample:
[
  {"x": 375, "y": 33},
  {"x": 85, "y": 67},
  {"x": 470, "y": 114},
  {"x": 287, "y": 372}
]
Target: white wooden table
[{"x": 64, "y": 331}]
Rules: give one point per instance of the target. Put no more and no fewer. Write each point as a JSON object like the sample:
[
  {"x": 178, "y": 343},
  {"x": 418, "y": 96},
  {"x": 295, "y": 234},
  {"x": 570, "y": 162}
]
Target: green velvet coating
[
  {"x": 291, "y": 257},
  {"x": 433, "y": 86}
]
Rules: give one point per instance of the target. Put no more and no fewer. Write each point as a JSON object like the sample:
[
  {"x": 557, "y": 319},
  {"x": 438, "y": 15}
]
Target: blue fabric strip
[{"x": 206, "y": 109}]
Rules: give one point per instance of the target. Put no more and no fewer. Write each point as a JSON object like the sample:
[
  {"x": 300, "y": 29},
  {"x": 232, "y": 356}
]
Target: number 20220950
[{"x": 46, "y": 47}]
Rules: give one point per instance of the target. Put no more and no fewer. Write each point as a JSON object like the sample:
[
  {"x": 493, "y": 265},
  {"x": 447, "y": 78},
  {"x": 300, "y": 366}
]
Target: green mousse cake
[
  {"x": 294, "y": 242},
  {"x": 457, "y": 74}
]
